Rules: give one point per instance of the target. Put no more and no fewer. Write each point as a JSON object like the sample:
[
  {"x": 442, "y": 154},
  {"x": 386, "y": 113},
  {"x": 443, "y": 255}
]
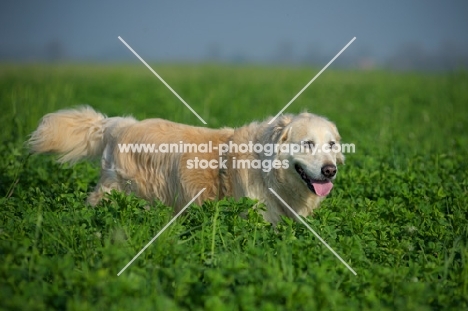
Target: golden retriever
[{"x": 226, "y": 162}]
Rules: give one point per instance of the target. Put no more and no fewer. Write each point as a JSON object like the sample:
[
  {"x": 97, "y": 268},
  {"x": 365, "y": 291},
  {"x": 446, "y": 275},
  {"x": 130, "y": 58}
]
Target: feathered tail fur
[{"x": 74, "y": 134}]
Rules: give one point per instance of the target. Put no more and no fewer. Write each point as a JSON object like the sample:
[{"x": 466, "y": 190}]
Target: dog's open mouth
[{"x": 319, "y": 187}]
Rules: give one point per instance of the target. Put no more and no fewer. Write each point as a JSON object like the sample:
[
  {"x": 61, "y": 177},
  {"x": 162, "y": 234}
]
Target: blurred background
[{"x": 398, "y": 35}]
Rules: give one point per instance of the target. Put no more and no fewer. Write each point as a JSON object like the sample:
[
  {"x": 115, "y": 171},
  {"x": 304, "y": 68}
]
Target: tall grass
[{"x": 398, "y": 213}]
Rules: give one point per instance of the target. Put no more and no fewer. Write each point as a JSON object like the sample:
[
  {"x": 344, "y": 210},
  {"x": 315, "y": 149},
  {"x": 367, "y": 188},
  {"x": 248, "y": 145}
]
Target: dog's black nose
[{"x": 329, "y": 170}]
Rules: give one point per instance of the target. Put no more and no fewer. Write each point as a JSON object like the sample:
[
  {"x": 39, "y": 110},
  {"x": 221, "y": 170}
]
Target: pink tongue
[{"x": 323, "y": 188}]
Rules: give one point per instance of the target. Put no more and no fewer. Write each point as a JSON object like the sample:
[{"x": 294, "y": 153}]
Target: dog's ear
[
  {"x": 285, "y": 135},
  {"x": 280, "y": 130}
]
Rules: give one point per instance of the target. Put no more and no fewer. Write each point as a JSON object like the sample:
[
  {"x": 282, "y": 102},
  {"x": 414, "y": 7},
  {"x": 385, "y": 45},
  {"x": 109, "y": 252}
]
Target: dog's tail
[{"x": 74, "y": 134}]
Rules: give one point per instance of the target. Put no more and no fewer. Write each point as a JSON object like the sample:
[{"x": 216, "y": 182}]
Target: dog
[{"x": 302, "y": 179}]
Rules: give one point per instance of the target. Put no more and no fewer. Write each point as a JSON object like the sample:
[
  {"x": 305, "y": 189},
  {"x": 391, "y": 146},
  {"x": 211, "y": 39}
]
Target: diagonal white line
[
  {"x": 312, "y": 230},
  {"x": 162, "y": 80},
  {"x": 310, "y": 82},
  {"x": 160, "y": 232}
]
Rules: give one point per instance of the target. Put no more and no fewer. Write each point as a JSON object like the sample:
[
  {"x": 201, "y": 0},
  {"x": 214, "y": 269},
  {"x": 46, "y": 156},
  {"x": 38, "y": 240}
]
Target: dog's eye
[
  {"x": 308, "y": 143},
  {"x": 332, "y": 143}
]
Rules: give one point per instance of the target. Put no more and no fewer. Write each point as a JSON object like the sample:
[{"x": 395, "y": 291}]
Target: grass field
[{"x": 398, "y": 213}]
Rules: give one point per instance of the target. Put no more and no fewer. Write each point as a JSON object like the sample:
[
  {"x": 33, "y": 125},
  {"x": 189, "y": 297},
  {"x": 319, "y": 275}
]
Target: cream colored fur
[{"x": 82, "y": 133}]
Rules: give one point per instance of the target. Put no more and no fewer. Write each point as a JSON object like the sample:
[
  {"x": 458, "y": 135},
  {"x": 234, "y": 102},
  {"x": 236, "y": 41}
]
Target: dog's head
[{"x": 313, "y": 154}]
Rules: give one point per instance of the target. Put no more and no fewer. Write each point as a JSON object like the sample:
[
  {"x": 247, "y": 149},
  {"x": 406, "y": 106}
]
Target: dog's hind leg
[{"x": 110, "y": 180}]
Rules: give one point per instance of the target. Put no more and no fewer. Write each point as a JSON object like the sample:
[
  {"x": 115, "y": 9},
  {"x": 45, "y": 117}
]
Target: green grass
[{"x": 398, "y": 213}]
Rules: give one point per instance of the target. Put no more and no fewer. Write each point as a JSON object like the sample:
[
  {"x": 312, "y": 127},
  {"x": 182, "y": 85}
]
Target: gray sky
[{"x": 255, "y": 30}]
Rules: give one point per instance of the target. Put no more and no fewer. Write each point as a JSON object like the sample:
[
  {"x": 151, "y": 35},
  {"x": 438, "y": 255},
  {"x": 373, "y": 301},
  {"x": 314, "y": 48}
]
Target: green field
[{"x": 398, "y": 213}]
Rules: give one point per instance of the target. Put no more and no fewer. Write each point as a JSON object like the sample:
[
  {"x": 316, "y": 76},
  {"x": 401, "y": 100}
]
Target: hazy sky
[{"x": 191, "y": 30}]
